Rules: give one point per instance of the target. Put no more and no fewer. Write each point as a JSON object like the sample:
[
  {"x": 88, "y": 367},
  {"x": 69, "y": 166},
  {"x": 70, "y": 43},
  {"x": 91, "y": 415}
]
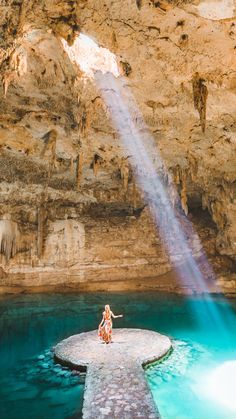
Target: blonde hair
[{"x": 107, "y": 307}]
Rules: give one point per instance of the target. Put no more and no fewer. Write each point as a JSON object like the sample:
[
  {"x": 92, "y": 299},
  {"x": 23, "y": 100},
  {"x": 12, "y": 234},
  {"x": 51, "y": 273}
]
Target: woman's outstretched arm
[{"x": 115, "y": 317}]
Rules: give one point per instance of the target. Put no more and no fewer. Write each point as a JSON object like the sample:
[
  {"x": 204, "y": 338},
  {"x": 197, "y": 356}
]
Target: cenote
[
  {"x": 33, "y": 386},
  {"x": 117, "y": 187}
]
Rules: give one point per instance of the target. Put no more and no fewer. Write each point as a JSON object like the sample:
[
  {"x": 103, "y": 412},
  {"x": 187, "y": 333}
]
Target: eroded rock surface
[{"x": 71, "y": 213}]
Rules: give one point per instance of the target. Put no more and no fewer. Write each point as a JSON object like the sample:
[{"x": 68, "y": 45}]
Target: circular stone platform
[{"x": 115, "y": 384}]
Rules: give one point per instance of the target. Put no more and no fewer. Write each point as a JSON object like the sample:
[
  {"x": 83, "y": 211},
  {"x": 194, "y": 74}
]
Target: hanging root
[{"x": 200, "y": 94}]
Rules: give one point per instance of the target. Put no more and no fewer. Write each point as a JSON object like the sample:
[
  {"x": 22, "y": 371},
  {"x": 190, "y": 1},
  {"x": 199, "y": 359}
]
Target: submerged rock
[{"x": 45, "y": 365}]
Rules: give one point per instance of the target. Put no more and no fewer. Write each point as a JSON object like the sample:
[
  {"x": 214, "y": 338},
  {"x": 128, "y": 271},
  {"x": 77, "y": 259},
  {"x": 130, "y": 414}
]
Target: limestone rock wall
[
  {"x": 168, "y": 48},
  {"x": 70, "y": 209}
]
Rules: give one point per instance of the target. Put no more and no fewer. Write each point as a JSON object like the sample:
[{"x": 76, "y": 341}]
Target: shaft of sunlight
[
  {"x": 131, "y": 129},
  {"x": 148, "y": 168}
]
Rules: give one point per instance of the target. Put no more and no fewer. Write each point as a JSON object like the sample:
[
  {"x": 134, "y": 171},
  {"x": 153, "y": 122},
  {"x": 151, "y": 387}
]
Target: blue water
[{"x": 32, "y": 386}]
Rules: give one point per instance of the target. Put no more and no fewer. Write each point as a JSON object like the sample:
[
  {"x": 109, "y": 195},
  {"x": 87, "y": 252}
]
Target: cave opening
[{"x": 90, "y": 57}]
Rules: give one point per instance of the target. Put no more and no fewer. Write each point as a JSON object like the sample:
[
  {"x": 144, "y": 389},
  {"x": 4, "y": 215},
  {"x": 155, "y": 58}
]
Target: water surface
[{"x": 32, "y": 386}]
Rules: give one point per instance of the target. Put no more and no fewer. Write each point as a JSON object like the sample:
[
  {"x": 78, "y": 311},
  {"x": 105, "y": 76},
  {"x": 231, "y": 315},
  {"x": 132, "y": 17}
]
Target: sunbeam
[
  {"x": 133, "y": 133},
  {"x": 150, "y": 174}
]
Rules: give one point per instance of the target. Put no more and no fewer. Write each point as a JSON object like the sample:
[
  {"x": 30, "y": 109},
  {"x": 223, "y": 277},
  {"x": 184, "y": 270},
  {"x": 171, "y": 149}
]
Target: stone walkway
[{"x": 115, "y": 384}]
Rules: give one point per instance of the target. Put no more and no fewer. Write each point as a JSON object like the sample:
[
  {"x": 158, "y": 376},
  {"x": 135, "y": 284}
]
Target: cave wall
[
  {"x": 176, "y": 51},
  {"x": 99, "y": 247},
  {"x": 70, "y": 210}
]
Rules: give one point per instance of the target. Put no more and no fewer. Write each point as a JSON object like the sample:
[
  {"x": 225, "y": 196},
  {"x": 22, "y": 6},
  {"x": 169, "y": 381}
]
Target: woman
[{"x": 105, "y": 327}]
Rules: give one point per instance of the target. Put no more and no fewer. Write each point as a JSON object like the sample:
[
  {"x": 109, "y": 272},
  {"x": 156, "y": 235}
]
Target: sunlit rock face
[
  {"x": 217, "y": 10},
  {"x": 71, "y": 212}
]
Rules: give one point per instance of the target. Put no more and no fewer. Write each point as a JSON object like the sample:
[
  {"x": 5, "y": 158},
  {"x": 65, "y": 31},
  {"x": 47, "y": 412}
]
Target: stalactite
[
  {"x": 134, "y": 194},
  {"x": 72, "y": 166},
  {"x": 17, "y": 67},
  {"x": 176, "y": 175},
  {"x": 83, "y": 120},
  {"x": 184, "y": 201},
  {"x": 97, "y": 161},
  {"x": 173, "y": 194},
  {"x": 41, "y": 224},
  {"x": 9, "y": 238},
  {"x": 18, "y": 61},
  {"x": 114, "y": 40},
  {"x": 79, "y": 169},
  {"x": 204, "y": 202},
  {"x": 139, "y": 4},
  {"x": 95, "y": 167},
  {"x": 50, "y": 139},
  {"x": 8, "y": 78},
  {"x": 200, "y": 94},
  {"x": 124, "y": 172},
  {"x": 49, "y": 148},
  {"x": 193, "y": 167},
  {"x": 183, "y": 194}
]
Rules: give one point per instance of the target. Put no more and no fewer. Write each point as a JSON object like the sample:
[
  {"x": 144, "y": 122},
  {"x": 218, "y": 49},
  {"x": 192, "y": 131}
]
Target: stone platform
[{"x": 115, "y": 384}]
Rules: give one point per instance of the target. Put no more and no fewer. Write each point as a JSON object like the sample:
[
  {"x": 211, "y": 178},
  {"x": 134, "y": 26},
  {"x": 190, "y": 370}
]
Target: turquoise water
[
  {"x": 32, "y": 386},
  {"x": 198, "y": 379}
]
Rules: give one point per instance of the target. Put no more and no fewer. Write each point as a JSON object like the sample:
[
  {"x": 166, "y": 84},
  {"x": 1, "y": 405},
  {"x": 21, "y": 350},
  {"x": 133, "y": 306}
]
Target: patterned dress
[{"x": 105, "y": 330}]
